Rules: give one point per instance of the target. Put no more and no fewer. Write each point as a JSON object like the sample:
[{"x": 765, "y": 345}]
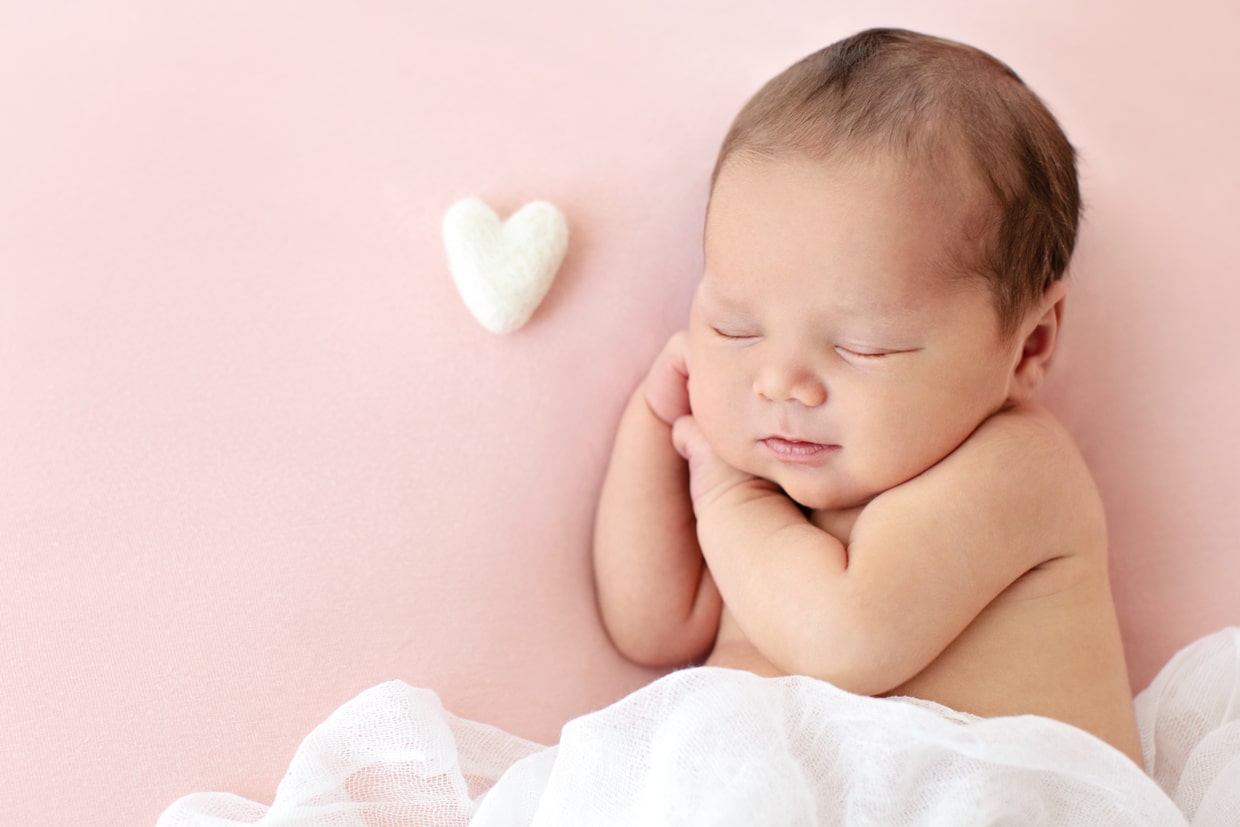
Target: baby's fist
[
  {"x": 709, "y": 476},
  {"x": 667, "y": 382}
]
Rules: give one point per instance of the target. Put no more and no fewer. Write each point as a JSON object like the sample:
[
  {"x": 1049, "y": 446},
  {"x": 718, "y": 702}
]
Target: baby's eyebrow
[
  {"x": 710, "y": 291},
  {"x": 896, "y": 313},
  {"x": 892, "y": 312}
]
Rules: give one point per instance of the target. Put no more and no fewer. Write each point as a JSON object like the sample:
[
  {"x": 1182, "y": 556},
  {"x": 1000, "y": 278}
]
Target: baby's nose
[{"x": 777, "y": 383}]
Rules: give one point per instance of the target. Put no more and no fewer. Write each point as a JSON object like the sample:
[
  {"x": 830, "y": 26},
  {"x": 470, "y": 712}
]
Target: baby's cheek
[
  {"x": 703, "y": 394},
  {"x": 715, "y": 428},
  {"x": 722, "y": 412}
]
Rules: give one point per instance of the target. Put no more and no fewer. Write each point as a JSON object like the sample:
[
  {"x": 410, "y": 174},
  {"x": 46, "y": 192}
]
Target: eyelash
[
  {"x": 840, "y": 349},
  {"x": 731, "y": 336},
  {"x": 860, "y": 355}
]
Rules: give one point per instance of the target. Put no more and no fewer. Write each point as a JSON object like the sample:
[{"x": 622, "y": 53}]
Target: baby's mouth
[{"x": 796, "y": 450}]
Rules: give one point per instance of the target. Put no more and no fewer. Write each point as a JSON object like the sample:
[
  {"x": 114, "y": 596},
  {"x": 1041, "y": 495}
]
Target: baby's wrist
[{"x": 735, "y": 491}]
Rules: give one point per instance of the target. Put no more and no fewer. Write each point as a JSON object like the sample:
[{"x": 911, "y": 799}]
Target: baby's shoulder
[
  {"x": 1019, "y": 468},
  {"x": 1023, "y": 435},
  {"x": 1029, "y": 421},
  {"x": 1027, "y": 451},
  {"x": 1019, "y": 464},
  {"x": 1012, "y": 497}
]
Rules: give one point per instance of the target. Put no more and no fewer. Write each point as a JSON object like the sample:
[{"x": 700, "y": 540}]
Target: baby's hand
[
  {"x": 710, "y": 478},
  {"x": 667, "y": 382}
]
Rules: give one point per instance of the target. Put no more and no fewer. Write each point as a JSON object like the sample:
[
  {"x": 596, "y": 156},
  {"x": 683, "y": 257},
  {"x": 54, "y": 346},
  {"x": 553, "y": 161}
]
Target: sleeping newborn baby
[{"x": 838, "y": 470}]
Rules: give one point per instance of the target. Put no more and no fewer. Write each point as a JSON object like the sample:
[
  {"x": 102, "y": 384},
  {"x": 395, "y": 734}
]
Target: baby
[{"x": 838, "y": 469}]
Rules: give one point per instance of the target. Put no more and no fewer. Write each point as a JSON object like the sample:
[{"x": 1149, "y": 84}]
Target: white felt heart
[{"x": 503, "y": 269}]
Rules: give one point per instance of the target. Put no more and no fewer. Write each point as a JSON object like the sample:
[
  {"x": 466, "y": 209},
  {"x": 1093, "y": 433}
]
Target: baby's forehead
[
  {"x": 874, "y": 240},
  {"x": 768, "y": 193},
  {"x": 952, "y": 177}
]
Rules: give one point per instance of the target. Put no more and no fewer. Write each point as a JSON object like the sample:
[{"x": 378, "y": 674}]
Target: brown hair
[{"x": 933, "y": 101}]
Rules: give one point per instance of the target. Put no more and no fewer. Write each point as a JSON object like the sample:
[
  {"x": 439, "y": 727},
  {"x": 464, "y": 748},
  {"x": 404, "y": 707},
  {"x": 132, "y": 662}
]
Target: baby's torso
[{"x": 1048, "y": 645}]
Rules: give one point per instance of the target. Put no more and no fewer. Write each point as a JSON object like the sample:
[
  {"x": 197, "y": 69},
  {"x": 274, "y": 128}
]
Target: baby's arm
[
  {"x": 924, "y": 558},
  {"x": 656, "y": 596}
]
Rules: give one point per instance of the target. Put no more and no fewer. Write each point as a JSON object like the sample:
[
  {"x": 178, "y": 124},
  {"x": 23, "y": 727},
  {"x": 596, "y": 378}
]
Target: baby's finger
[
  {"x": 684, "y": 434},
  {"x": 678, "y": 352},
  {"x": 667, "y": 383}
]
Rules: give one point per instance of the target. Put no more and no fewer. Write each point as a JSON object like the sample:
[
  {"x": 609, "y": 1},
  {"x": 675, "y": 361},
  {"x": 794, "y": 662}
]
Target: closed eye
[
  {"x": 734, "y": 335},
  {"x": 872, "y": 355},
  {"x": 862, "y": 354}
]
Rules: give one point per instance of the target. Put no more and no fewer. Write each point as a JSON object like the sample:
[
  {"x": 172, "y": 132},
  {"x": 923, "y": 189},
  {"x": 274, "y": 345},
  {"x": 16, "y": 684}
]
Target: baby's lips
[{"x": 797, "y": 451}]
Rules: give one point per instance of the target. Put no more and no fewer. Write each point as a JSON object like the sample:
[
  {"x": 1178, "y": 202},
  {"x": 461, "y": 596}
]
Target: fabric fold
[{"x": 716, "y": 746}]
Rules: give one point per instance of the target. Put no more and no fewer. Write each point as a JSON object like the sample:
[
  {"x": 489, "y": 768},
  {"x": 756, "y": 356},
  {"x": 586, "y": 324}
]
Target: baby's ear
[{"x": 1039, "y": 335}]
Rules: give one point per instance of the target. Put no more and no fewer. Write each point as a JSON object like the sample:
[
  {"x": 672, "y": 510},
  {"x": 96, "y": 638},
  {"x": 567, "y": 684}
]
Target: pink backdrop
[{"x": 255, "y": 456}]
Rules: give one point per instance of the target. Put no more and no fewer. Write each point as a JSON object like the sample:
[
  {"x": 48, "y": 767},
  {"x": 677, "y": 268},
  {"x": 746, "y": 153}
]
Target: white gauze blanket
[{"x": 719, "y": 747}]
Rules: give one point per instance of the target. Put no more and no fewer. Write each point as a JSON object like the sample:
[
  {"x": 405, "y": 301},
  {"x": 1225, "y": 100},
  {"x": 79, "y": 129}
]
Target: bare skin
[
  {"x": 838, "y": 470},
  {"x": 1048, "y": 644}
]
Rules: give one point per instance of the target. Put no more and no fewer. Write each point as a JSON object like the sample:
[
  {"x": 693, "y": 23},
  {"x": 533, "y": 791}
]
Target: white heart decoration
[{"x": 504, "y": 269}]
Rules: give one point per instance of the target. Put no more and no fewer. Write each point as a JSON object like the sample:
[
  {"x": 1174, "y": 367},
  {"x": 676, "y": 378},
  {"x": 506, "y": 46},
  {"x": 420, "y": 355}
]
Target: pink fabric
[{"x": 255, "y": 456}]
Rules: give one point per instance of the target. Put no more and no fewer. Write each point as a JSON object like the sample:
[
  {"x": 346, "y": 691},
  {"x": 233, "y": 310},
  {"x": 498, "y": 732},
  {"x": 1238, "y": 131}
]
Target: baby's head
[
  {"x": 949, "y": 113},
  {"x": 889, "y": 224}
]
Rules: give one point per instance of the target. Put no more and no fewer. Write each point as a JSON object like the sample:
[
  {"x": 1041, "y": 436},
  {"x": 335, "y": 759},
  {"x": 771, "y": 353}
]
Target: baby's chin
[
  {"x": 812, "y": 490},
  {"x": 821, "y": 497}
]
